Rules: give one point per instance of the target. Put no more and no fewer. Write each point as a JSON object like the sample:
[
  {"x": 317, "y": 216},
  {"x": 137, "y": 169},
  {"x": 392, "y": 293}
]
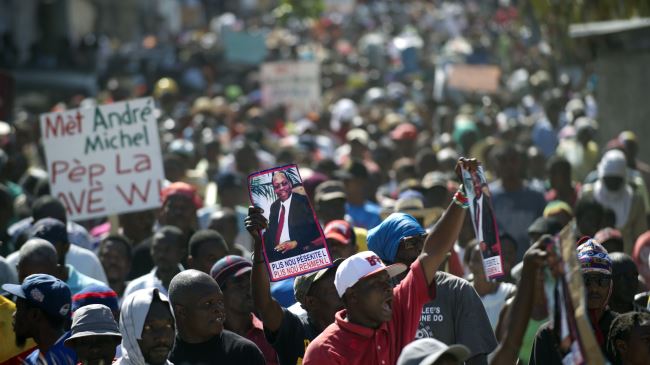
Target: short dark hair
[
  {"x": 122, "y": 239},
  {"x": 588, "y": 205},
  {"x": 48, "y": 206},
  {"x": 169, "y": 231},
  {"x": 203, "y": 236},
  {"x": 621, "y": 328},
  {"x": 558, "y": 163}
]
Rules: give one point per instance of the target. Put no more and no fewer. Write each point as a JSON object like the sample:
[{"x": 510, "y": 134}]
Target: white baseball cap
[
  {"x": 427, "y": 351},
  {"x": 359, "y": 266}
]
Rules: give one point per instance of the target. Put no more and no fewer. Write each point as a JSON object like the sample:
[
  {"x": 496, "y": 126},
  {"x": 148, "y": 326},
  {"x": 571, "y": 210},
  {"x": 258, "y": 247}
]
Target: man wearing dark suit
[{"x": 292, "y": 229}]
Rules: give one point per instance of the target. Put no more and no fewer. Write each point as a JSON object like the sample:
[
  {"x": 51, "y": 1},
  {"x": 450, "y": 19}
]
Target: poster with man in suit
[
  {"x": 294, "y": 243},
  {"x": 484, "y": 221}
]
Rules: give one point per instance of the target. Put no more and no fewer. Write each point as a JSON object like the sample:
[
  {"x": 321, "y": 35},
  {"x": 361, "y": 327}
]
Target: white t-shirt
[{"x": 495, "y": 301}]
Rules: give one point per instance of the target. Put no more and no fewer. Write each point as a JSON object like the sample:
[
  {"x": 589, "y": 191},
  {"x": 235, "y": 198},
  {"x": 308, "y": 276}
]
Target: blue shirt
[
  {"x": 78, "y": 281},
  {"x": 57, "y": 354},
  {"x": 364, "y": 216},
  {"x": 282, "y": 291}
]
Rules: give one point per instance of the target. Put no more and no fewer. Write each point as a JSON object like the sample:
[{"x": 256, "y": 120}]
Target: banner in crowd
[
  {"x": 484, "y": 221},
  {"x": 295, "y": 85},
  {"x": 105, "y": 159},
  {"x": 293, "y": 242},
  {"x": 475, "y": 78},
  {"x": 565, "y": 298},
  {"x": 244, "y": 47}
]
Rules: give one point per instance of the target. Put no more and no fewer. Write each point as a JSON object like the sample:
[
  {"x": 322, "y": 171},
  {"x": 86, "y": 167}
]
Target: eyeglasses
[
  {"x": 413, "y": 242},
  {"x": 601, "y": 280}
]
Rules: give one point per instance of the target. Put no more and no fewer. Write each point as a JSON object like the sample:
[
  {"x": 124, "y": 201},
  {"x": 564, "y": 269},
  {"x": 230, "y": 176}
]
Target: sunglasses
[
  {"x": 413, "y": 242},
  {"x": 601, "y": 280}
]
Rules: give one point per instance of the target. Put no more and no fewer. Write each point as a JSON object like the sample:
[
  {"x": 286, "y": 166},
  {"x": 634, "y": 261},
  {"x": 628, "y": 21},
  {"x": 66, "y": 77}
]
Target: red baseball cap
[{"x": 340, "y": 231}]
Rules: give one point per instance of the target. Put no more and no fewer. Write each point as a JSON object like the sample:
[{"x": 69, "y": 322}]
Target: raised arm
[
  {"x": 268, "y": 308},
  {"x": 522, "y": 305},
  {"x": 445, "y": 233}
]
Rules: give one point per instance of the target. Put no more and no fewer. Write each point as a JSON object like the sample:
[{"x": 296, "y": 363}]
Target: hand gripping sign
[
  {"x": 484, "y": 221},
  {"x": 293, "y": 243}
]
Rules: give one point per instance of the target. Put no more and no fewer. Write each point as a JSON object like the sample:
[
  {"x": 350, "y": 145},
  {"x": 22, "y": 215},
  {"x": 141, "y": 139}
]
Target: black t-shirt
[
  {"x": 226, "y": 348},
  {"x": 292, "y": 338}
]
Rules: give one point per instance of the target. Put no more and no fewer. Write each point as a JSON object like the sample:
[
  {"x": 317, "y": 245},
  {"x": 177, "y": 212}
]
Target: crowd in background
[{"x": 378, "y": 162}]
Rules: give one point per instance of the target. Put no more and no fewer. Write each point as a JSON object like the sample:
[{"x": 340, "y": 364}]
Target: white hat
[
  {"x": 427, "y": 351},
  {"x": 359, "y": 266}
]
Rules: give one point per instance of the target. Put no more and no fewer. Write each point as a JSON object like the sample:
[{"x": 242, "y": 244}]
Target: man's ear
[
  {"x": 621, "y": 346},
  {"x": 190, "y": 261}
]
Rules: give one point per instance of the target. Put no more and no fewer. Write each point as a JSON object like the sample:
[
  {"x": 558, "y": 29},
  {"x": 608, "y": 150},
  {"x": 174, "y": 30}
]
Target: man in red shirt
[{"x": 378, "y": 320}]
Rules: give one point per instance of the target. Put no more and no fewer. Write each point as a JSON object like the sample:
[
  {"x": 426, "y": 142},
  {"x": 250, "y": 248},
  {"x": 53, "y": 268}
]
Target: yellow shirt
[{"x": 8, "y": 348}]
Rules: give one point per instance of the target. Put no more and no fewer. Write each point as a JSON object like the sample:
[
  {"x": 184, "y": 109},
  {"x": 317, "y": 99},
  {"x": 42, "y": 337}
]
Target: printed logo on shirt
[{"x": 429, "y": 315}]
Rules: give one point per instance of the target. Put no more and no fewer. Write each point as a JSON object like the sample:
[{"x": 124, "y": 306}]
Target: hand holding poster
[
  {"x": 104, "y": 160},
  {"x": 293, "y": 242},
  {"x": 484, "y": 221}
]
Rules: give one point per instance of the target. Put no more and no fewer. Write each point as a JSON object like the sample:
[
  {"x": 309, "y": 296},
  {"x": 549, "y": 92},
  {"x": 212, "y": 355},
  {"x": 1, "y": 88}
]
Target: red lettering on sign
[{"x": 134, "y": 190}]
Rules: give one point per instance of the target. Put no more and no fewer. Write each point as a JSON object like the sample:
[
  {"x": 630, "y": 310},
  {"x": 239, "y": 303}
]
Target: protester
[
  {"x": 42, "y": 310},
  {"x": 597, "y": 274},
  {"x": 493, "y": 294},
  {"x": 200, "y": 315},
  {"x": 329, "y": 201},
  {"x": 288, "y": 333},
  {"x": 368, "y": 318},
  {"x": 625, "y": 283},
  {"x": 341, "y": 239},
  {"x": 641, "y": 257},
  {"x": 225, "y": 221},
  {"x": 11, "y": 351},
  {"x": 97, "y": 294},
  {"x": 206, "y": 248},
  {"x": 94, "y": 335},
  {"x": 180, "y": 202},
  {"x": 167, "y": 250},
  {"x": 363, "y": 213},
  {"x": 233, "y": 274},
  {"x": 613, "y": 192},
  {"x": 114, "y": 253},
  {"x": 628, "y": 339},
  {"x": 516, "y": 206},
  {"x": 80, "y": 260},
  {"x": 456, "y": 315},
  {"x": 147, "y": 327}
]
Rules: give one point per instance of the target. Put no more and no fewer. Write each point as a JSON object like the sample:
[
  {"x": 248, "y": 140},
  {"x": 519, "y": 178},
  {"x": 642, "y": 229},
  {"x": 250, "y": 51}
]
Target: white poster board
[
  {"x": 293, "y": 84},
  {"x": 104, "y": 160}
]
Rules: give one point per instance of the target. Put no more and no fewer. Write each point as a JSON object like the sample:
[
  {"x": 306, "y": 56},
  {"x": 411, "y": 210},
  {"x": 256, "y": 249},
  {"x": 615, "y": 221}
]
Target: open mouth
[{"x": 387, "y": 305}]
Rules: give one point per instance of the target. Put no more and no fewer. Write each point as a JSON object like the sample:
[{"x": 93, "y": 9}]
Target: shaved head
[
  {"x": 198, "y": 306},
  {"x": 37, "y": 256},
  {"x": 189, "y": 285}
]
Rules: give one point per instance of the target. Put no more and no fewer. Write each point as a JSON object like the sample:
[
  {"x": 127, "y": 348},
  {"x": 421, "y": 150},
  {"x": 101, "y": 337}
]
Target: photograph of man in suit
[
  {"x": 483, "y": 218},
  {"x": 292, "y": 229}
]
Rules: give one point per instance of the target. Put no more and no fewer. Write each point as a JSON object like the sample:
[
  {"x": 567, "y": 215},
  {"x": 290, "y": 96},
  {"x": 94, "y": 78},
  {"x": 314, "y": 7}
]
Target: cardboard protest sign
[
  {"x": 244, "y": 48},
  {"x": 476, "y": 78},
  {"x": 484, "y": 221},
  {"x": 295, "y": 85},
  {"x": 294, "y": 243},
  {"x": 104, "y": 160}
]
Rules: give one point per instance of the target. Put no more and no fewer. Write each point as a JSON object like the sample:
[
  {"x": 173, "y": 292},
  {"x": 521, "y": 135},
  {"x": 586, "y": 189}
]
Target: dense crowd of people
[{"x": 188, "y": 283}]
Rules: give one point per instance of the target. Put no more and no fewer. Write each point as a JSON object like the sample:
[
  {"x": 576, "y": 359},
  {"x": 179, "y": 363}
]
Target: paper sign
[
  {"x": 340, "y": 6},
  {"x": 484, "y": 221},
  {"x": 104, "y": 160},
  {"x": 244, "y": 48},
  {"x": 293, "y": 84},
  {"x": 293, "y": 243},
  {"x": 477, "y": 78}
]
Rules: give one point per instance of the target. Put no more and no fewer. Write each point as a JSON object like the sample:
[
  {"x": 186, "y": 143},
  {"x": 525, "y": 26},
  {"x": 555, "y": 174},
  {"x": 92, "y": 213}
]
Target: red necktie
[{"x": 278, "y": 234}]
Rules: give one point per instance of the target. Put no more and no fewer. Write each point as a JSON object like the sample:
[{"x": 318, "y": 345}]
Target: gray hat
[
  {"x": 93, "y": 320},
  {"x": 427, "y": 351}
]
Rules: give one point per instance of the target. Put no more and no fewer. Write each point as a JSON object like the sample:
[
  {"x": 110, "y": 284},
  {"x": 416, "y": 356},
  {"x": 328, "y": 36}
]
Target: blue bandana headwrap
[
  {"x": 384, "y": 238},
  {"x": 593, "y": 257}
]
